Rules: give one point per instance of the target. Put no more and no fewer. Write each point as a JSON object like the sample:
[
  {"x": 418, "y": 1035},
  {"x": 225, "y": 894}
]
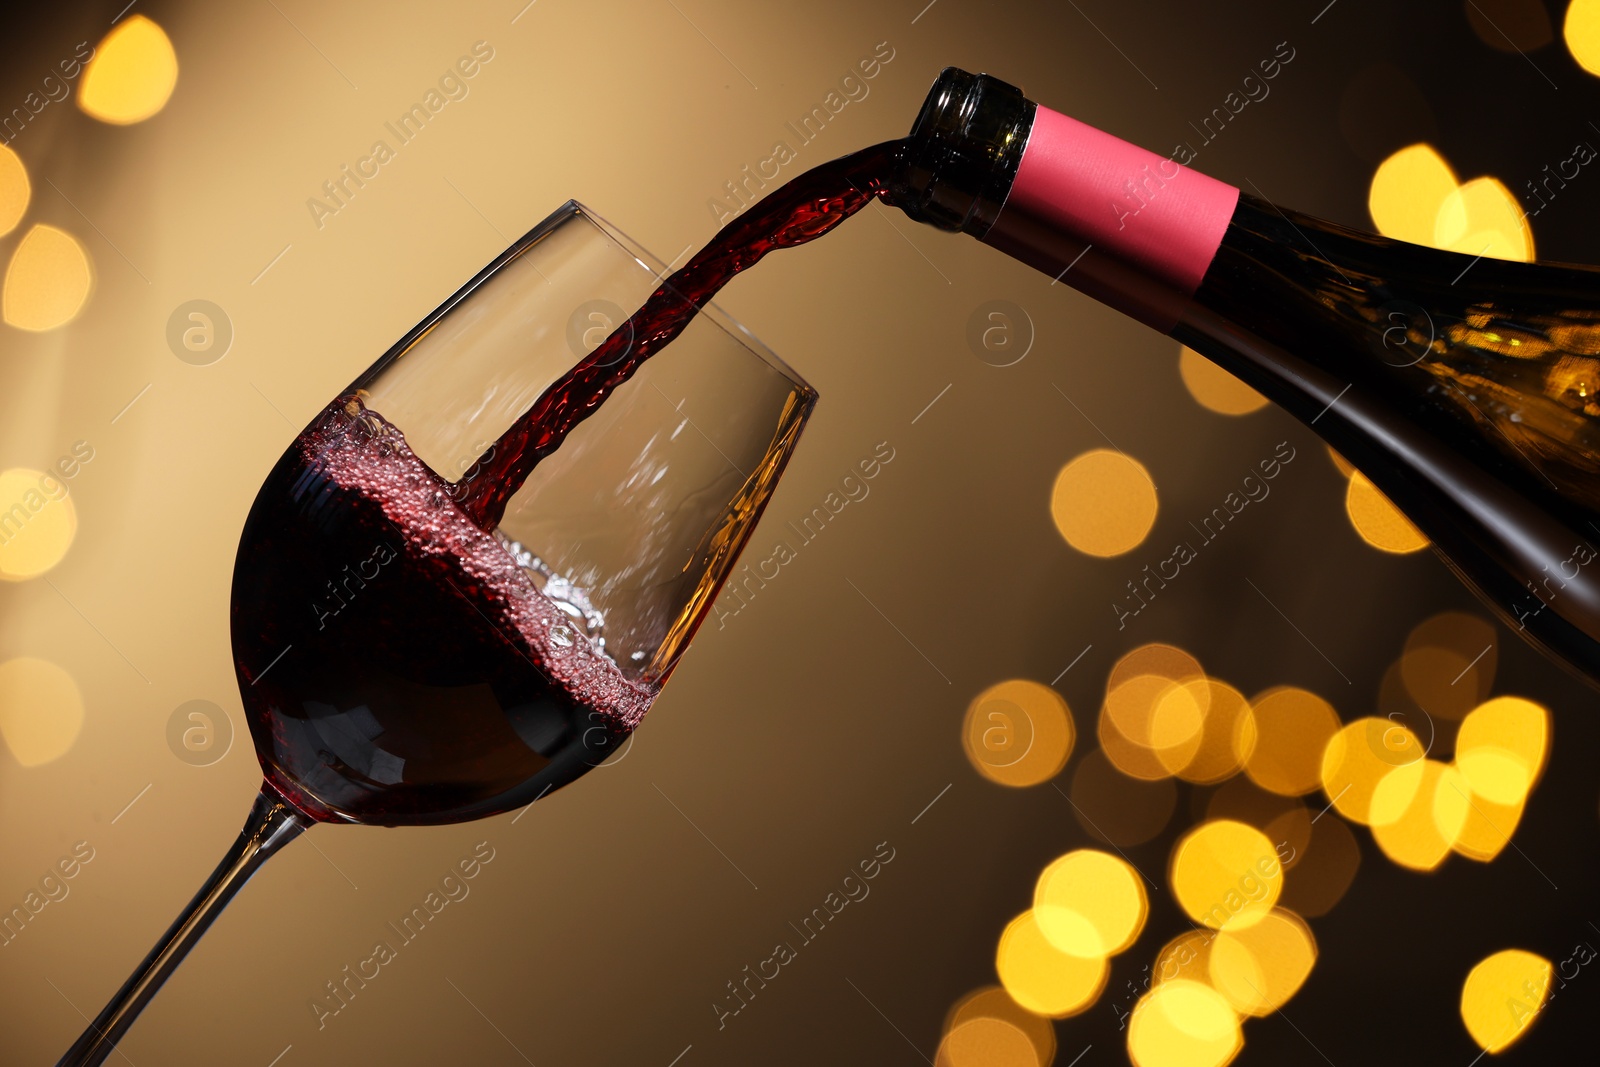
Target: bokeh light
[
  {"x": 1363, "y": 754},
  {"x": 1441, "y": 680},
  {"x": 1164, "y": 661},
  {"x": 41, "y": 710},
  {"x": 1449, "y": 663},
  {"x": 1187, "y": 956},
  {"x": 15, "y": 190},
  {"x": 1134, "y": 760},
  {"x": 1090, "y": 903},
  {"x": 1260, "y": 966},
  {"x": 1159, "y": 719},
  {"x": 1171, "y": 719},
  {"x": 1482, "y": 218},
  {"x": 1582, "y": 32},
  {"x": 1226, "y": 733},
  {"x": 1379, "y": 522},
  {"x": 1323, "y": 870},
  {"x": 1416, "y": 821},
  {"x": 1510, "y": 25},
  {"x": 1214, "y": 388},
  {"x": 1118, "y": 809},
  {"x": 1018, "y": 733},
  {"x": 1502, "y": 996},
  {"x": 1042, "y": 978},
  {"x": 1183, "y": 1023},
  {"x": 1225, "y": 872},
  {"x": 986, "y": 1042},
  {"x": 1501, "y": 749},
  {"x": 1488, "y": 829},
  {"x": 993, "y": 1002},
  {"x": 1415, "y": 197},
  {"x": 1407, "y": 191},
  {"x": 1103, "y": 503},
  {"x": 48, "y": 280},
  {"x": 1152, "y": 719},
  {"x": 38, "y": 522},
  {"x": 1292, "y": 729},
  {"x": 132, "y": 74}
]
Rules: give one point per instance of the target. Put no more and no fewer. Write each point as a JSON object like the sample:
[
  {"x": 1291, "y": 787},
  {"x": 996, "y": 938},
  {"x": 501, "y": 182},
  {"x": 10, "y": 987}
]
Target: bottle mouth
[{"x": 963, "y": 151}]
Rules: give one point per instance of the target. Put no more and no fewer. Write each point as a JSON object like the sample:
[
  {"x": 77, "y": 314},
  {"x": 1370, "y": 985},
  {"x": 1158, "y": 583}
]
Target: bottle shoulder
[{"x": 1502, "y": 355}]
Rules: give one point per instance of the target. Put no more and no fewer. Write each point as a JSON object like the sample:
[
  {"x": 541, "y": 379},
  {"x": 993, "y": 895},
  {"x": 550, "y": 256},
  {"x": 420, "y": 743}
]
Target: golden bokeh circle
[
  {"x": 1103, "y": 503},
  {"x": 1407, "y": 191},
  {"x": 1417, "y": 823},
  {"x": 986, "y": 1041},
  {"x": 1380, "y": 523},
  {"x": 1042, "y": 978},
  {"x": 1360, "y": 756},
  {"x": 41, "y": 710},
  {"x": 38, "y": 522},
  {"x": 1214, "y": 388},
  {"x": 1153, "y": 726},
  {"x": 47, "y": 281},
  {"x": 1502, "y": 995},
  {"x": 1501, "y": 748},
  {"x": 1260, "y": 966},
  {"x": 132, "y": 74},
  {"x": 1224, "y": 738},
  {"x": 1488, "y": 829},
  {"x": 1134, "y": 760},
  {"x": 1483, "y": 218},
  {"x": 1581, "y": 29},
  {"x": 1160, "y": 714},
  {"x": 1018, "y": 733},
  {"x": 1224, "y": 872},
  {"x": 1183, "y": 1023},
  {"x": 15, "y": 191},
  {"x": 1161, "y": 660},
  {"x": 1292, "y": 729},
  {"x": 993, "y": 1002},
  {"x": 1187, "y": 956},
  {"x": 1090, "y": 903}
]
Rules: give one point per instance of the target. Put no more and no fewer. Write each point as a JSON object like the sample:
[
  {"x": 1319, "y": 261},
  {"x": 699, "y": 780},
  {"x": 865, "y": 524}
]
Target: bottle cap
[{"x": 963, "y": 152}]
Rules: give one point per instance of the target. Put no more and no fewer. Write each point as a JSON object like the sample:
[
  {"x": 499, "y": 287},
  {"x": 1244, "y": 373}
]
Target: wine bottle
[{"x": 1467, "y": 389}]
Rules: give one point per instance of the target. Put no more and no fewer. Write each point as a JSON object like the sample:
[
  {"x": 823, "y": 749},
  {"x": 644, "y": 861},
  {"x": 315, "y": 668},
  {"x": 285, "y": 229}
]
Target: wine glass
[{"x": 403, "y": 662}]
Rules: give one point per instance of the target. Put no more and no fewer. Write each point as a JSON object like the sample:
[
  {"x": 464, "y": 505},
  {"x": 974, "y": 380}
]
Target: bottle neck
[
  {"x": 958, "y": 165},
  {"x": 1133, "y": 229}
]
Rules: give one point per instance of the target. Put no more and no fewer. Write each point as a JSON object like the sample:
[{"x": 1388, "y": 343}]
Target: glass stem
[{"x": 272, "y": 824}]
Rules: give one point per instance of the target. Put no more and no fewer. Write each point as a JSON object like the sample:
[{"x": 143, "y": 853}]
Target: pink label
[{"x": 1156, "y": 216}]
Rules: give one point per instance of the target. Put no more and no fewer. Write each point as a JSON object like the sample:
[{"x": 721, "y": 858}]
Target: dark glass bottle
[{"x": 1467, "y": 389}]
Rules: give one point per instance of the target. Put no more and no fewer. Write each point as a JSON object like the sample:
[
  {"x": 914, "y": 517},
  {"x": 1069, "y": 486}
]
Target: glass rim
[{"x": 575, "y": 209}]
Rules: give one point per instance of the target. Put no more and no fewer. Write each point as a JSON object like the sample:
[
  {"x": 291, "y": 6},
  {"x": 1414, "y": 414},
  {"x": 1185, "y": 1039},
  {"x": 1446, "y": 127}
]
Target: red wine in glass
[
  {"x": 411, "y": 671},
  {"x": 403, "y": 660},
  {"x": 398, "y": 661}
]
